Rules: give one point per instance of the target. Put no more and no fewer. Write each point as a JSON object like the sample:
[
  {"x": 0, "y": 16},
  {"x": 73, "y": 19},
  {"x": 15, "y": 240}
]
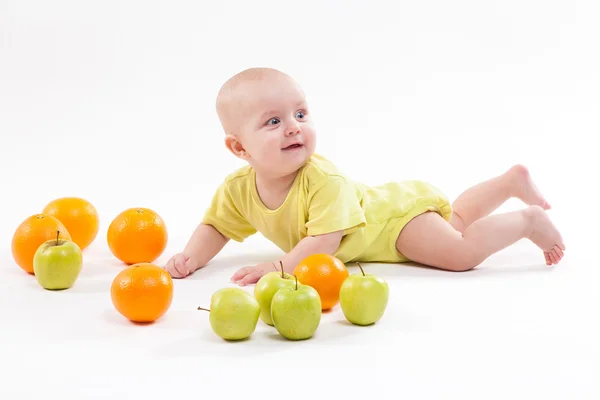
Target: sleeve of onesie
[
  {"x": 334, "y": 206},
  {"x": 225, "y": 217}
]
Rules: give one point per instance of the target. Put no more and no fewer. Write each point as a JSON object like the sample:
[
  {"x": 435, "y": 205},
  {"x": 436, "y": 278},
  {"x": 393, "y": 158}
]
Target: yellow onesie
[{"x": 323, "y": 200}]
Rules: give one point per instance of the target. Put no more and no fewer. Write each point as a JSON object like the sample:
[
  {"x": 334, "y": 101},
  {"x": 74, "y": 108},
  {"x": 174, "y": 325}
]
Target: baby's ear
[{"x": 235, "y": 146}]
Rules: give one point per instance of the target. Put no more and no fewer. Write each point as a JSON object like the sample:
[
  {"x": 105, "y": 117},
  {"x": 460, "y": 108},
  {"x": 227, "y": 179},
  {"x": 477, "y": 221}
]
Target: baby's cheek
[{"x": 271, "y": 147}]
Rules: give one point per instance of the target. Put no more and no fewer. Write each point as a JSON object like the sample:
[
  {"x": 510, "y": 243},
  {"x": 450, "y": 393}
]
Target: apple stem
[
  {"x": 203, "y": 309},
  {"x": 361, "y": 270},
  {"x": 296, "y": 278},
  {"x": 57, "y": 235},
  {"x": 282, "y": 274}
]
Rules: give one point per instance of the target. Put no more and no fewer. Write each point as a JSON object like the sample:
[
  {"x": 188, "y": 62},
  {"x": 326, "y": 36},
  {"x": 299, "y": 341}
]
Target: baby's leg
[
  {"x": 485, "y": 197},
  {"x": 428, "y": 239}
]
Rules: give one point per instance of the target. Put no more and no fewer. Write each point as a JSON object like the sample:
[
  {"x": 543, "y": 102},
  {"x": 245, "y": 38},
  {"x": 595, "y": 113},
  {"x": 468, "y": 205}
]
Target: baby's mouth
[{"x": 293, "y": 146}]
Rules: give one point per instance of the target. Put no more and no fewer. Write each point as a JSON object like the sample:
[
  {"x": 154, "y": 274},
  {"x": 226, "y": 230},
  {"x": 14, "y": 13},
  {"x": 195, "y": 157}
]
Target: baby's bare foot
[
  {"x": 525, "y": 189},
  {"x": 545, "y": 235}
]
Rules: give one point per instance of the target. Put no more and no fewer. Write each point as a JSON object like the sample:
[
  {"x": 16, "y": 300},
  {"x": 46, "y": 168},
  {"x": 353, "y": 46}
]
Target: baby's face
[{"x": 275, "y": 126}]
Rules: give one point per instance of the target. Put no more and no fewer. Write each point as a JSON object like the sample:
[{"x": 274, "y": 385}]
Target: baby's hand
[
  {"x": 252, "y": 274},
  {"x": 181, "y": 265}
]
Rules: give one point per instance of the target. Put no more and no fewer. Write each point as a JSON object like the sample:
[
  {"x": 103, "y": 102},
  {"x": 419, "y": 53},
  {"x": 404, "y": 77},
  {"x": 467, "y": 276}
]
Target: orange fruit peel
[{"x": 326, "y": 274}]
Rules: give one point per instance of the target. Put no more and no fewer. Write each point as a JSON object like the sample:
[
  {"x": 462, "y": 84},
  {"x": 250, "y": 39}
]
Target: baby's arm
[
  {"x": 204, "y": 244},
  {"x": 319, "y": 244}
]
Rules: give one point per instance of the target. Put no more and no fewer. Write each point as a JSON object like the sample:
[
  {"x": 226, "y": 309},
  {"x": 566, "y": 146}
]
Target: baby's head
[{"x": 265, "y": 117}]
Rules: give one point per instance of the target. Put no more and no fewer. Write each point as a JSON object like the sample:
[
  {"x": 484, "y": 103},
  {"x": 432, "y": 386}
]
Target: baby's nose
[{"x": 293, "y": 129}]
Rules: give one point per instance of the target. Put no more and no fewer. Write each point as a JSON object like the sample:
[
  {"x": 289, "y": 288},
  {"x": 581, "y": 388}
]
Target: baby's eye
[
  {"x": 300, "y": 114},
  {"x": 273, "y": 121}
]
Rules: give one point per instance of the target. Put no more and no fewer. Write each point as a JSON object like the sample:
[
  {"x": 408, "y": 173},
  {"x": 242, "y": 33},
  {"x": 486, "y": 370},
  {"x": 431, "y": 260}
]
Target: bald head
[{"x": 236, "y": 90}]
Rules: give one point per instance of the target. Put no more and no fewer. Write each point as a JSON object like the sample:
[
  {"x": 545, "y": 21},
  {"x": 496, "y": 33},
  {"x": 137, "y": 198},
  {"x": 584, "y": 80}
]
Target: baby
[{"x": 299, "y": 200}]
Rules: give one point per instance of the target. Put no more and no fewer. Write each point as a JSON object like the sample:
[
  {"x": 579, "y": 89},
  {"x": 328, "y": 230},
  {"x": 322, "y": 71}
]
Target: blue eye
[
  {"x": 273, "y": 121},
  {"x": 300, "y": 114}
]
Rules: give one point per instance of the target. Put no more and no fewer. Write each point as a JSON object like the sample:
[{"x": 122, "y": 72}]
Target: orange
[
  {"x": 142, "y": 292},
  {"x": 78, "y": 215},
  {"x": 137, "y": 235},
  {"x": 325, "y": 273},
  {"x": 31, "y": 234}
]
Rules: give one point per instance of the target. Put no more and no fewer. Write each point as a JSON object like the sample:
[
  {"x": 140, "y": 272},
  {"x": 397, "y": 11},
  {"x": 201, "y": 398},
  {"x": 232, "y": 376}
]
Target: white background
[{"x": 113, "y": 101}]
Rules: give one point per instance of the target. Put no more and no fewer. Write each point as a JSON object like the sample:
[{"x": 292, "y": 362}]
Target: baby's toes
[
  {"x": 547, "y": 256},
  {"x": 559, "y": 251},
  {"x": 553, "y": 257},
  {"x": 558, "y": 254}
]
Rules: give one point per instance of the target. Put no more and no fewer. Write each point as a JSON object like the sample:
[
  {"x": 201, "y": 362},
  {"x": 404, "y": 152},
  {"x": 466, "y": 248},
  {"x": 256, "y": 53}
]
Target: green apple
[
  {"x": 233, "y": 313},
  {"x": 57, "y": 263},
  {"x": 363, "y": 298},
  {"x": 265, "y": 289},
  {"x": 296, "y": 311}
]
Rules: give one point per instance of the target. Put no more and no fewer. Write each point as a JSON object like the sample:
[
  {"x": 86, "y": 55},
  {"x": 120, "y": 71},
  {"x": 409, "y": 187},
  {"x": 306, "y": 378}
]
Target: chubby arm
[
  {"x": 319, "y": 244},
  {"x": 204, "y": 244}
]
